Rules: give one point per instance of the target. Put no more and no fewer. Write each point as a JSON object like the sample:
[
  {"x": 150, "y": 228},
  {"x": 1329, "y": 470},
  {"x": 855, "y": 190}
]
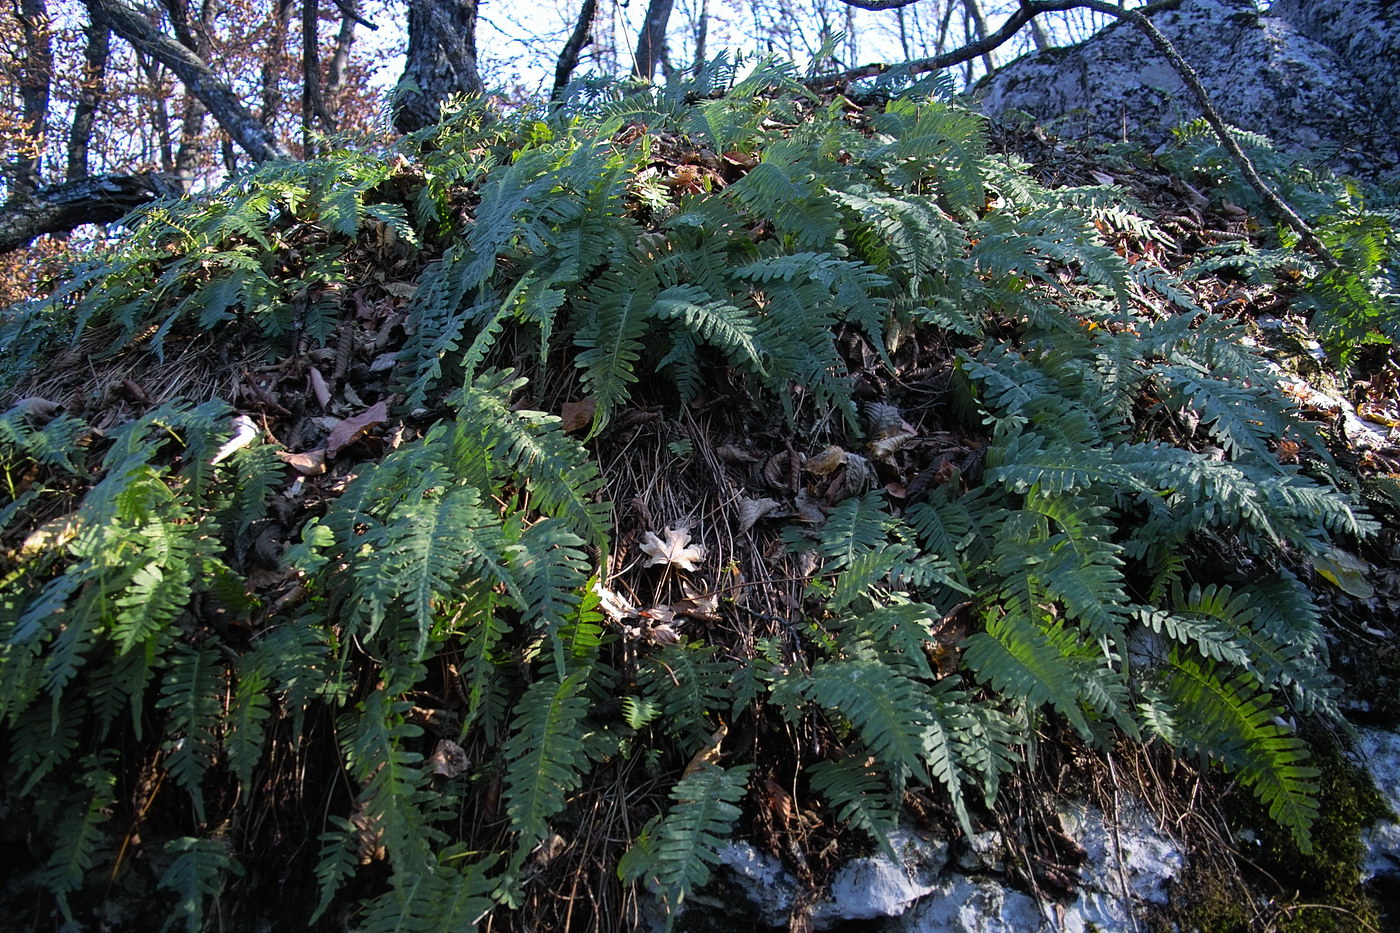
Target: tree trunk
[
  {"x": 340, "y": 58},
  {"x": 578, "y": 39},
  {"x": 652, "y": 40},
  {"x": 35, "y": 81},
  {"x": 979, "y": 30},
  {"x": 441, "y": 60},
  {"x": 99, "y": 46}
]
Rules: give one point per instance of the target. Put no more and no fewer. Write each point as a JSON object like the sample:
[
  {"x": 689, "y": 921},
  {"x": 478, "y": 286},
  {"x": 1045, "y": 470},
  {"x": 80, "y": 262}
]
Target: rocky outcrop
[
  {"x": 1365, "y": 34},
  {"x": 930, "y": 887},
  {"x": 1379, "y": 753},
  {"x": 1265, "y": 73}
]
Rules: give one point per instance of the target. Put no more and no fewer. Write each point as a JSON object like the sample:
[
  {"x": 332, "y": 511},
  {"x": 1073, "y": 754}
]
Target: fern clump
[{"x": 419, "y": 633}]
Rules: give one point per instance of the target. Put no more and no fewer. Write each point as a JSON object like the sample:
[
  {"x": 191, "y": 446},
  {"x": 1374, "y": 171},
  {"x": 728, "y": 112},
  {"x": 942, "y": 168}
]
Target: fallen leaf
[
  {"x": 244, "y": 431},
  {"x": 1101, "y": 178},
  {"x": 319, "y": 388},
  {"x": 1346, "y": 571},
  {"x": 735, "y": 455},
  {"x": 448, "y": 759},
  {"x": 384, "y": 362},
  {"x": 549, "y": 850},
  {"x": 808, "y": 510},
  {"x": 614, "y": 605},
  {"x": 675, "y": 550},
  {"x": 709, "y": 755},
  {"x": 400, "y": 289},
  {"x": 697, "y": 605},
  {"x": 349, "y": 430},
  {"x": 751, "y": 510},
  {"x": 310, "y": 463},
  {"x": 37, "y": 411},
  {"x": 578, "y": 415},
  {"x": 826, "y": 462},
  {"x": 889, "y": 431}
]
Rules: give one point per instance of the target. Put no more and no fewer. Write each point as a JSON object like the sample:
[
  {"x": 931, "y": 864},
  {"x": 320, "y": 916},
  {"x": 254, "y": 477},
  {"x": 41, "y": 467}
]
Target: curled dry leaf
[
  {"x": 349, "y": 430},
  {"x": 37, "y": 411},
  {"x": 448, "y": 759},
  {"x": 735, "y": 455},
  {"x": 808, "y": 509},
  {"x": 319, "y": 388},
  {"x": 578, "y": 415},
  {"x": 709, "y": 755},
  {"x": 244, "y": 430},
  {"x": 826, "y": 462},
  {"x": 751, "y": 510},
  {"x": 614, "y": 605},
  {"x": 697, "y": 605},
  {"x": 310, "y": 463},
  {"x": 549, "y": 850},
  {"x": 889, "y": 431},
  {"x": 675, "y": 549}
]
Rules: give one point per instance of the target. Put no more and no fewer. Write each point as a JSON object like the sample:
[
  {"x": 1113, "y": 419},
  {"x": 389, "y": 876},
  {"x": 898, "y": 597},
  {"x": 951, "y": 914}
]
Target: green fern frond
[
  {"x": 545, "y": 757},
  {"x": 1229, "y": 720},
  {"x": 676, "y": 857}
]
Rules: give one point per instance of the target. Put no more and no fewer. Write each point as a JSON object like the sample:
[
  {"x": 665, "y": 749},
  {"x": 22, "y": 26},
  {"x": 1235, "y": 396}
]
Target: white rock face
[
  {"x": 1366, "y": 36},
  {"x": 1263, "y": 74},
  {"x": 1129, "y": 865},
  {"x": 961, "y": 904},
  {"x": 877, "y": 887},
  {"x": 1379, "y": 753}
]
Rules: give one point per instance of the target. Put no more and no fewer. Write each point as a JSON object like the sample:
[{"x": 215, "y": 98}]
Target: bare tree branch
[
  {"x": 218, "y": 97},
  {"x": 568, "y": 56},
  {"x": 879, "y": 5},
  {"x": 57, "y": 209}
]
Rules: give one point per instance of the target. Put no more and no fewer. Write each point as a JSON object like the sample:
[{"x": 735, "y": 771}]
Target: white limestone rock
[
  {"x": 962, "y": 904},
  {"x": 877, "y": 887},
  {"x": 1129, "y": 865},
  {"x": 1262, "y": 73},
  {"x": 1379, "y": 753}
]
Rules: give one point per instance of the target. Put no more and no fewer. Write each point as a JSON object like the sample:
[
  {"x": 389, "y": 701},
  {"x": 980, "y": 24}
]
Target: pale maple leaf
[{"x": 675, "y": 549}]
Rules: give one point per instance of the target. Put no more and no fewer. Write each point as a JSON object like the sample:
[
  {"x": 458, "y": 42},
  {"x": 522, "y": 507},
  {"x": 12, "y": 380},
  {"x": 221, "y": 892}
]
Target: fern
[
  {"x": 545, "y": 755},
  {"x": 675, "y": 855},
  {"x": 191, "y": 692},
  {"x": 1230, "y": 720},
  {"x": 196, "y": 876}
]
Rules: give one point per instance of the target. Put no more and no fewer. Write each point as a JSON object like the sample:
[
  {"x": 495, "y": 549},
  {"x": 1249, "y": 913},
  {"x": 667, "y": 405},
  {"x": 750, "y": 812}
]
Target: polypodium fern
[
  {"x": 675, "y": 855},
  {"x": 544, "y": 755}
]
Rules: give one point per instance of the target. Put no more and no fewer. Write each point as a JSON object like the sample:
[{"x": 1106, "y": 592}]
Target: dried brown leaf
[
  {"x": 578, "y": 415},
  {"x": 675, "y": 549},
  {"x": 826, "y": 462},
  {"x": 709, "y": 755},
  {"x": 350, "y": 430},
  {"x": 319, "y": 388},
  {"x": 735, "y": 455},
  {"x": 310, "y": 463},
  {"x": 448, "y": 759},
  {"x": 751, "y": 510}
]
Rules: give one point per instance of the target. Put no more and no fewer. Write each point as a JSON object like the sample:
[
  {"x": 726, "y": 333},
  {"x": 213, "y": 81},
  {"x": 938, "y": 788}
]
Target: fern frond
[{"x": 545, "y": 757}]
